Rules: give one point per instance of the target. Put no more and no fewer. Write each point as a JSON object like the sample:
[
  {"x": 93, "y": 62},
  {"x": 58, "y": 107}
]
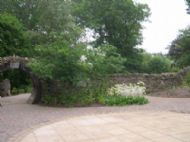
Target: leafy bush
[
  {"x": 76, "y": 96},
  {"x": 13, "y": 39},
  {"x": 187, "y": 80},
  {"x": 75, "y": 64},
  {"x": 105, "y": 60},
  {"x": 134, "y": 62},
  {"x": 159, "y": 64},
  {"x": 93, "y": 94},
  {"x": 84, "y": 98},
  {"x": 179, "y": 49},
  {"x": 83, "y": 70},
  {"x": 122, "y": 94},
  {"x": 21, "y": 89},
  {"x": 69, "y": 100},
  {"x": 143, "y": 62},
  {"x": 122, "y": 100}
]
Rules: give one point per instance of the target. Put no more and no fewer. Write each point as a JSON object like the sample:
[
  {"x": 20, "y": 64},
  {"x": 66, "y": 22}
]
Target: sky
[{"x": 167, "y": 18}]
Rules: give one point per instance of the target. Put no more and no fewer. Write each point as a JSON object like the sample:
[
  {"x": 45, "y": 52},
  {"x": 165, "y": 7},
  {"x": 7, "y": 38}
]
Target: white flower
[
  {"x": 128, "y": 90},
  {"x": 89, "y": 47},
  {"x": 44, "y": 32},
  {"x": 83, "y": 58}
]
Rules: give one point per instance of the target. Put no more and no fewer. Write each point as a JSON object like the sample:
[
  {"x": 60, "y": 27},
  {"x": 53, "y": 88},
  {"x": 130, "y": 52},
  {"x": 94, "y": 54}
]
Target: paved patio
[
  {"x": 139, "y": 126},
  {"x": 18, "y": 119}
]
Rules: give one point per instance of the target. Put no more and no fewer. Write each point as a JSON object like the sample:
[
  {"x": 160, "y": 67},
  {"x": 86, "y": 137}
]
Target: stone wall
[
  {"x": 5, "y": 88},
  {"x": 153, "y": 82}
]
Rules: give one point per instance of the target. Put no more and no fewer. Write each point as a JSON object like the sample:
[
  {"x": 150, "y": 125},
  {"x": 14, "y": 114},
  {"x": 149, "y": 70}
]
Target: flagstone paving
[
  {"x": 141, "y": 126},
  {"x": 162, "y": 118}
]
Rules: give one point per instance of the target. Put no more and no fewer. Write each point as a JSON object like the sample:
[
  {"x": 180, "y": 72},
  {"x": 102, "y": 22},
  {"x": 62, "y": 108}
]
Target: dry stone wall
[
  {"x": 5, "y": 87},
  {"x": 153, "y": 82}
]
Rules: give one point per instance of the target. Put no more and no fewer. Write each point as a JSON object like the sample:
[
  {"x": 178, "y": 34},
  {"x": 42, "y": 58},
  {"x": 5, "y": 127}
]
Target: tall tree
[
  {"x": 179, "y": 49},
  {"x": 117, "y": 22},
  {"x": 47, "y": 20}
]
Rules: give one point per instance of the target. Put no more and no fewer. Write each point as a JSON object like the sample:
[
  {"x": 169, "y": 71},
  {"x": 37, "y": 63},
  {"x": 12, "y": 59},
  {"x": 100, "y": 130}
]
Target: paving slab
[
  {"x": 138, "y": 126},
  {"x": 17, "y": 117}
]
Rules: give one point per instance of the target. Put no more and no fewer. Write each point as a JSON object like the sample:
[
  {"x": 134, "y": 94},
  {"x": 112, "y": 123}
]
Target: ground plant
[
  {"x": 186, "y": 80},
  {"x": 100, "y": 94}
]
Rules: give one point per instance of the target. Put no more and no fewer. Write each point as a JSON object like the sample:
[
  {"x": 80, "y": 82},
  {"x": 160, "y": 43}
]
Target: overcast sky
[{"x": 167, "y": 18}]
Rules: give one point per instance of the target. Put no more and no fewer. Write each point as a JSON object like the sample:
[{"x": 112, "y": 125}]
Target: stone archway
[{"x": 15, "y": 62}]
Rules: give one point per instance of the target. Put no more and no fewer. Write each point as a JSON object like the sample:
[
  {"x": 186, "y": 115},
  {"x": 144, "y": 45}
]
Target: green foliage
[
  {"x": 21, "y": 90},
  {"x": 122, "y": 100},
  {"x": 142, "y": 62},
  {"x": 91, "y": 95},
  {"x": 63, "y": 67},
  {"x": 117, "y": 23},
  {"x": 153, "y": 63},
  {"x": 159, "y": 64},
  {"x": 134, "y": 62},
  {"x": 13, "y": 39},
  {"x": 46, "y": 21},
  {"x": 105, "y": 60},
  {"x": 180, "y": 48},
  {"x": 69, "y": 100},
  {"x": 186, "y": 81},
  {"x": 69, "y": 66},
  {"x": 77, "y": 96}
]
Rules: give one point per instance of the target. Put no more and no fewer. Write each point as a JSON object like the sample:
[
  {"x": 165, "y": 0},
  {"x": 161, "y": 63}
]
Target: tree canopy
[
  {"x": 13, "y": 38},
  {"x": 117, "y": 22},
  {"x": 180, "y": 48},
  {"x": 47, "y": 21}
]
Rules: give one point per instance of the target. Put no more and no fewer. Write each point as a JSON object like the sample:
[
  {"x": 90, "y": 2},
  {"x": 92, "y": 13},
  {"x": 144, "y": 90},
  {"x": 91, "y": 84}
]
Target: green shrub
[
  {"x": 96, "y": 94},
  {"x": 75, "y": 64},
  {"x": 159, "y": 64},
  {"x": 21, "y": 90},
  {"x": 13, "y": 38},
  {"x": 122, "y": 100},
  {"x": 69, "y": 100},
  {"x": 156, "y": 63},
  {"x": 77, "y": 96},
  {"x": 87, "y": 99},
  {"x": 143, "y": 62},
  {"x": 186, "y": 80}
]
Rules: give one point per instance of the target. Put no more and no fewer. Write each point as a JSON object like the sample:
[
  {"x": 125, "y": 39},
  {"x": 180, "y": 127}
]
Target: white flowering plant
[
  {"x": 138, "y": 89},
  {"x": 123, "y": 94}
]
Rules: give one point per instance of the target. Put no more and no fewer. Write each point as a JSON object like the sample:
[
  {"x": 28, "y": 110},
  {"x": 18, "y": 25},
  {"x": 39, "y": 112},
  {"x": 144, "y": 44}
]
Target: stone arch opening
[{"x": 15, "y": 62}]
